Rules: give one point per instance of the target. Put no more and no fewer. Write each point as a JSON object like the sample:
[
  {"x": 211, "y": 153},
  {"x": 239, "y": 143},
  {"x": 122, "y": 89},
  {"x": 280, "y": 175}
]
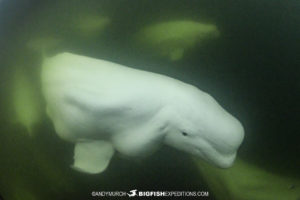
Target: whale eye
[{"x": 184, "y": 134}]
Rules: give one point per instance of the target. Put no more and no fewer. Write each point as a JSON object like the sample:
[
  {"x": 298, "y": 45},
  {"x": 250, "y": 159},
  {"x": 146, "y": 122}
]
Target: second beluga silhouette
[{"x": 105, "y": 107}]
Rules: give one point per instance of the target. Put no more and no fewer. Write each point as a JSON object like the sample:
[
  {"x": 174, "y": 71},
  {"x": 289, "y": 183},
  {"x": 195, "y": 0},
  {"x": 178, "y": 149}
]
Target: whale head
[{"x": 200, "y": 126}]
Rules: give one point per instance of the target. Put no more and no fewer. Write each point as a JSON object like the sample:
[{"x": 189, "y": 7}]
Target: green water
[{"x": 251, "y": 68}]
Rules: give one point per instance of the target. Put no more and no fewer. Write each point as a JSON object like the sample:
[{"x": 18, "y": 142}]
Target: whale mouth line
[{"x": 216, "y": 156}]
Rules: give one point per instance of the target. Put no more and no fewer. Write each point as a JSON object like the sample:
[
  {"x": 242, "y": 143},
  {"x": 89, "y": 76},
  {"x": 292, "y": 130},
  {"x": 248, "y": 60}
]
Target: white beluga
[
  {"x": 105, "y": 107},
  {"x": 173, "y": 38},
  {"x": 25, "y": 101}
]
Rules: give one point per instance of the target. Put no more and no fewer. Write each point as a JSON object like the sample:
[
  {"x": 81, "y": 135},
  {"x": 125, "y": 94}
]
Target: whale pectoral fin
[{"x": 92, "y": 156}]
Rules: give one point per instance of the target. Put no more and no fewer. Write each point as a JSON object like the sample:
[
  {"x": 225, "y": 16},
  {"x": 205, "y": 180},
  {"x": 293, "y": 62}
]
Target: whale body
[{"x": 103, "y": 107}]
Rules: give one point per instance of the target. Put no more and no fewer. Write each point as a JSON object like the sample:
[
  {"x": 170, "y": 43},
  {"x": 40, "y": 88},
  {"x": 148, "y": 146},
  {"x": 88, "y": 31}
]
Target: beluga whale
[{"x": 104, "y": 107}]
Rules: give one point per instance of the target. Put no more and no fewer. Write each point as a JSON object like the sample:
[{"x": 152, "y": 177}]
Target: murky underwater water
[{"x": 247, "y": 61}]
